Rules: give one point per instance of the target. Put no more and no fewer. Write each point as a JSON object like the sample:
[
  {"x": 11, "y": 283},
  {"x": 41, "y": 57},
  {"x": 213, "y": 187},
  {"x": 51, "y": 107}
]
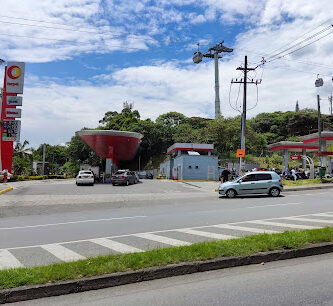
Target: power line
[
  {"x": 286, "y": 59},
  {"x": 303, "y": 71},
  {"x": 293, "y": 41},
  {"x": 293, "y": 51}
]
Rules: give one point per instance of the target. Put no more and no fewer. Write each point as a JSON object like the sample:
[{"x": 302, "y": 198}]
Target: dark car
[
  {"x": 149, "y": 176},
  {"x": 124, "y": 178}
]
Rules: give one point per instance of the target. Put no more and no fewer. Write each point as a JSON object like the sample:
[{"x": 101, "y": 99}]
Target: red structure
[{"x": 110, "y": 144}]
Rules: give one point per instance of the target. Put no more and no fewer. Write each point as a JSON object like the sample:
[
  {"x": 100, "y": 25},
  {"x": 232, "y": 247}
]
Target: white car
[{"x": 85, "y": 177}]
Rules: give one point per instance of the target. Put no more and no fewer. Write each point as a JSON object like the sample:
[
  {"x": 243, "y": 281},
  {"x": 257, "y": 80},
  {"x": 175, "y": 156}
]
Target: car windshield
[
  {"x": 120, "y": 172},
  {"x": 238, "y": 177},
  {"x": 85, "y": 172}
]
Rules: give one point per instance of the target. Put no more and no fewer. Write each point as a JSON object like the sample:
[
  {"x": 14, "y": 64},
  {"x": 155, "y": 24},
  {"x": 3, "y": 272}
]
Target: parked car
[
  {"x": 257, "y": 182},
  {"x": 142, "y": 174},
  {"x": 85, "y": 177},
  {"x": 123, "y": 178},
  {"x": 149, "y": 176}
]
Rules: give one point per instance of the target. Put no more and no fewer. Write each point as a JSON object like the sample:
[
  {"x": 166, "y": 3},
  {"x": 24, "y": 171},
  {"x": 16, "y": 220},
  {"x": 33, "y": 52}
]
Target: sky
[{"x": 86, "y": 57}]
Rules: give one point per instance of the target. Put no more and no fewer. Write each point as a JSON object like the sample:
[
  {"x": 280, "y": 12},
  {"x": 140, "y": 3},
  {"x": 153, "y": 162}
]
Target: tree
[
  {"x": 21, "y": 150},
  {"x": 80, "y": 153},
  {"x": 171, "y": 119},
  {"x": 22, "y": 158}
]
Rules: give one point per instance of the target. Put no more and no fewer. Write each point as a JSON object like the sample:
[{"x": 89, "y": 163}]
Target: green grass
[
  {"x": 305, "y": 182},
  {"x": 196, "y": 252}
]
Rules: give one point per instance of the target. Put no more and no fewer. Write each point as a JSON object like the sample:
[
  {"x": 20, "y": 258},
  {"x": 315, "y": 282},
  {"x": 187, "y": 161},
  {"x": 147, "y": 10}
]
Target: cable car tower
[{"x": 213, "y": 52}]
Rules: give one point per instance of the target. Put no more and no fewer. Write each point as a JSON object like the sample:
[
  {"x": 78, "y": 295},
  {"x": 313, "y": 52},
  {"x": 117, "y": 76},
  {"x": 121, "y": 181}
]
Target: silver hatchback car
[{"x": 257, "y": 182}]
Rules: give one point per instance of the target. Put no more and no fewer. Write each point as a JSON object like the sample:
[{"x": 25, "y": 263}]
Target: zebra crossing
[{"x": 139, "y": 242}]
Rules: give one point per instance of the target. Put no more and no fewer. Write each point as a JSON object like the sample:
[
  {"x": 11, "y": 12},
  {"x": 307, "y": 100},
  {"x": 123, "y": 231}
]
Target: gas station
[
  {"x": 112, "y": 146},
  {"x": 309, "y": 144}
]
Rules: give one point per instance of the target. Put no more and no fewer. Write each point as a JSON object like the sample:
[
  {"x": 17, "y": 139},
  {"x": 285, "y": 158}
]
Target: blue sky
[{"x": 140, "y": 51}]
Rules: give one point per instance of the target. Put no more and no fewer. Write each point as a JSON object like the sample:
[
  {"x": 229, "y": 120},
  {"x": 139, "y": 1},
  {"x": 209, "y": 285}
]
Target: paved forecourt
[{"x": 34, "y": 255}]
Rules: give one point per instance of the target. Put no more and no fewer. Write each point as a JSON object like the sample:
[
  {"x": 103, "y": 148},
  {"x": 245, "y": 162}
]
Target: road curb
[
  {"x": 123, "y": 278},
  {"x": 6, "y": 190},
  {"x": 307, "y": 188}
]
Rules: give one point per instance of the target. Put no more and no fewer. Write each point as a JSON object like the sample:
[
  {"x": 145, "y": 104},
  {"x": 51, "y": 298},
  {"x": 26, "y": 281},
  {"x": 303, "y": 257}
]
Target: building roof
[
  {"x": 118, "y": 145},
  {"x": 314, "y": 137},
  {"x": 292, "y": 146},
  {"x": 190, "y": 147}
]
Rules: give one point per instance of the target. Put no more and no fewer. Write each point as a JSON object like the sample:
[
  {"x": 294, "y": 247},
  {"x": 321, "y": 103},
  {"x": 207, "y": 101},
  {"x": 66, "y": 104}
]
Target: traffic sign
[{"x": 240, "y": 153}]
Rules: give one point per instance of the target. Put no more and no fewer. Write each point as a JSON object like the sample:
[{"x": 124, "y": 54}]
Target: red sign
[
  {"x": 296, "y": 157},
  {"x": 324, "y": 153}
]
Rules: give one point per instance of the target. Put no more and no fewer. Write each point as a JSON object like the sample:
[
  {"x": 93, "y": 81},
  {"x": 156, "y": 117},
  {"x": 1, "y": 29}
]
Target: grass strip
[
  {"x": 197, "y": 252},
  {"x": 306, "y": 182}
]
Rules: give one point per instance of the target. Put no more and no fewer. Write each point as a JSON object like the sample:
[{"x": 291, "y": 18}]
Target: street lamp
[{"x": 213, "y": 52}]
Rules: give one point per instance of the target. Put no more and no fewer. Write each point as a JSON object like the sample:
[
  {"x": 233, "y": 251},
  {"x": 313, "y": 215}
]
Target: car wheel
[
  {"x": 127, "y": 182},
  {"x": 230, "y": 193},
  {"x": 274, "y": 192},
  {"x": 76, "y": 184},
  {"x": 113, "y": 184}
]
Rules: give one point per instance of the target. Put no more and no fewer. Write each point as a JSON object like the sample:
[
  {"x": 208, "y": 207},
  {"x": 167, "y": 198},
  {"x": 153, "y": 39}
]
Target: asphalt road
[
  {"x": 302, "y": 281},
  {"x": 153, "y": 214}
]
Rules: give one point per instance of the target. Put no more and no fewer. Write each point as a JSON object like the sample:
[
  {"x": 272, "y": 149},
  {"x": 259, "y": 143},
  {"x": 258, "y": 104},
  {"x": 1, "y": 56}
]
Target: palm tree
[
  {"x": 21, "y": 150},
  {"x": 22, "y": 158}
]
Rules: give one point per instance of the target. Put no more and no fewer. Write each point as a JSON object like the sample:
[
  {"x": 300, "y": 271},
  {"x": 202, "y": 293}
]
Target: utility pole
[
  {"x": 213, "y": 52},
  {"x": 217, "y": 86},
  {"x": 330, "y": 100},
  {"x": 319, "y": 83},
  {"x": 319, "y": 132},
  {"x": 244, "y": 81},
  {"x": 43, "y": 166}
]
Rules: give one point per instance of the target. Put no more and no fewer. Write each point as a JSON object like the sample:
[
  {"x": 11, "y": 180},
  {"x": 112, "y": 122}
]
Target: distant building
[{"x": 191, "y": 161}]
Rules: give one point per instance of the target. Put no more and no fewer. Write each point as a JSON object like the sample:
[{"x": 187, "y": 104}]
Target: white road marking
[
  {"x": 205, "y": 234},
  {"x": 282, "y": 204},
  {"x": 324, "y": 215},
  {"x": 282, "y": 224},
  {"x": 70, "y": 222},
  {"x": 62, "y": 252},
  {"x": 116, "y": 246},
  {"x": 197, "y": 227},
  {"x": 309, "y": 220},
  {"x": 162, "y": 239},
  {"x": 8, "y": 260},
  {"x": 246, "y": 229}
]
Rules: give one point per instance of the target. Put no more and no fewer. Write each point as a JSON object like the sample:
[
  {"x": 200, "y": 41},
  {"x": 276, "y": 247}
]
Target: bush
[
  {"x": 36, "y": 177},
  {"x": 56, "y": 176}
]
